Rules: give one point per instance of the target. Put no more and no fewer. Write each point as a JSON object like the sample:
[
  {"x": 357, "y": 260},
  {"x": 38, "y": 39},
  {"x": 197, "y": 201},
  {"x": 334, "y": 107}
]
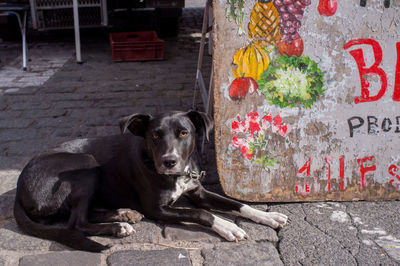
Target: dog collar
[{"x": 196, "y": 175}]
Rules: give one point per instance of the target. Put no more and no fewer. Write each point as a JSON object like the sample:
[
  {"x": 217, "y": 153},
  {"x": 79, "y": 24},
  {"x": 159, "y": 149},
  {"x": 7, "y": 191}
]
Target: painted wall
[{"x": 307, "y": 99}]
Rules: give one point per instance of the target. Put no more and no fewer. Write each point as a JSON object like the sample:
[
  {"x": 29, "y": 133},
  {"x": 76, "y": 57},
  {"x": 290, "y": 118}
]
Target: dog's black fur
[{"x": 86, "y": 183}]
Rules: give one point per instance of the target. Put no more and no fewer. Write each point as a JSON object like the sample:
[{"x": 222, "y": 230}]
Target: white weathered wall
[{"x": 321, "y": 133}]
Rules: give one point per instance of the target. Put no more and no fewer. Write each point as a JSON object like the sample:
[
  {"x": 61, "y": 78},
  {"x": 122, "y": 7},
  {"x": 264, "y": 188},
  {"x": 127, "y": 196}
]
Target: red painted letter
[
  {"x": 305, "y": 167},
  {"x": 392, "y": 169},
  {"x": 341, "y": 172},
  {"x": 396, "y": 93},
  {"x": 363, "y": 70},
  {"x": 364, "y": 169},
  {"x": 328, "y": 161}
]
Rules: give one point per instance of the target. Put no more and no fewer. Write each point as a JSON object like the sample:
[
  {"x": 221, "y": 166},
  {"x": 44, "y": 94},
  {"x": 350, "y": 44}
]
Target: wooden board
[{"x": 314, "y": 119}]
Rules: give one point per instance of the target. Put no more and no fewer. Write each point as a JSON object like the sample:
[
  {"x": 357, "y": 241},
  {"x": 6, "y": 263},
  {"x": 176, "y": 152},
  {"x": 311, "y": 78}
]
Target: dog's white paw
[
  {"x": 272, "y": 219},
  {"x": 124, "y": 229},
  {"x": 228, "y": 230}
]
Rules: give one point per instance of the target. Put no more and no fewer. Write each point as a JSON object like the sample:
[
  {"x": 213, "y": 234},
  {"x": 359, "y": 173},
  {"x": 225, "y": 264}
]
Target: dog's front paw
[
  {"x": 129, "y": 216},
  {"x": 228, "y": 230},
  {"x": 272, "y": 219},
  {"x": 124, "y": 229}
]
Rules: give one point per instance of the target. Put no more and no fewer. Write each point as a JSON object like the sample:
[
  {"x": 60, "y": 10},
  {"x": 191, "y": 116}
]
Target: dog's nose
[{"x": 169, "y": 162}]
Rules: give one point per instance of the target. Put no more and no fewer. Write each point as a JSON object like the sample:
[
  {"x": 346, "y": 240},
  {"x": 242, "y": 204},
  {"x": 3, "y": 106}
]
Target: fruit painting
[
  {"x": 273, "y": 65},
  {"x": 274, "y": 56},
  {"x": 240, "y": 87},
  {"x": 327, "y": 7},
  {"x": 250, "y": 61},
  {"x": 264, "y": 24},
  {"x": 291, "y": 14},
  {"x": 292, "y": 81}
]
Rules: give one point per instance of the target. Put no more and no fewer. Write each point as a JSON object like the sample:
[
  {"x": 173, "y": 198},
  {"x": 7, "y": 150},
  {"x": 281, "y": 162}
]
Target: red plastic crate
[{"x": 136, "y": 46}]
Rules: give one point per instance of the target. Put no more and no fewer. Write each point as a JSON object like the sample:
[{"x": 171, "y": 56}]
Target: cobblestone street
[{"x": 58, "y": 100}]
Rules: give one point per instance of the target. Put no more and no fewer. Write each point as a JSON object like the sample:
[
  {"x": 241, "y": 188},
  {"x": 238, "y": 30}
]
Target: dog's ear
[
  {"x": 136, "y": 123},
  {"x": 202, "y": 122}
]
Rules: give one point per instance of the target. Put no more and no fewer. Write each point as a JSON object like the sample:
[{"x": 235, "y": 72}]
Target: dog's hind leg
[
  {"x": 80, "y": 199},
  {"x": 120, "y": 215},
  {"x": 79, "y": 221}
]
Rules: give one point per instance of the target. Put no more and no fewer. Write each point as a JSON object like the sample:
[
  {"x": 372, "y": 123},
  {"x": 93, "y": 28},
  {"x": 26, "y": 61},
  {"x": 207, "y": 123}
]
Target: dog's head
[{"x": 170, "y": 137}]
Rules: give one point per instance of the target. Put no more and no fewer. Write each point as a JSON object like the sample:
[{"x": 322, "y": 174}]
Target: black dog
[{"x": 146, "y": 172}]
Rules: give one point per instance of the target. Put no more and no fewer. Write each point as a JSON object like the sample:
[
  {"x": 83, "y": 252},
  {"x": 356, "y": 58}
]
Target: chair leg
[
  {"x": 24, "y": 48},
  {"x": 22, "y": 27},
  {"x": 77, "y": 32}
]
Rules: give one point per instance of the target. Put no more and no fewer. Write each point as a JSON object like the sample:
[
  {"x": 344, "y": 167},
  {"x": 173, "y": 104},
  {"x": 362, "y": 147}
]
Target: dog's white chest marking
[{"x": 182, "y": 185}]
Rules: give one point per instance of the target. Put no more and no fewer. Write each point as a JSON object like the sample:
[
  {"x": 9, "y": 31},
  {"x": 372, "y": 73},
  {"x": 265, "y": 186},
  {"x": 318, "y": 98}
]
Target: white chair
[{"x": 7, "y": 9}]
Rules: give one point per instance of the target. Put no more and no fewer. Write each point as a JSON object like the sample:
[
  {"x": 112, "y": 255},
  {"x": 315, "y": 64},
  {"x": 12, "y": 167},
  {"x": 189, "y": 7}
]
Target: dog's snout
[{"x": 170, "y": 161}]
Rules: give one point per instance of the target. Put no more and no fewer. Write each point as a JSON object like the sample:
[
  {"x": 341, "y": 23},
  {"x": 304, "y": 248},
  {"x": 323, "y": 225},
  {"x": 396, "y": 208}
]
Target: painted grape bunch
[{"x": 291, "y": 14}]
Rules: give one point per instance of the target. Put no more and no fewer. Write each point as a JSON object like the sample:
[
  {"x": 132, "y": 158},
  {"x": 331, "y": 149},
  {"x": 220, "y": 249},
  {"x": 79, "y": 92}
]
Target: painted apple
[
  {"x": 241, "y": 86},
  {"x": 327, "y": 7},
  {"x": 290, "y": 49}
]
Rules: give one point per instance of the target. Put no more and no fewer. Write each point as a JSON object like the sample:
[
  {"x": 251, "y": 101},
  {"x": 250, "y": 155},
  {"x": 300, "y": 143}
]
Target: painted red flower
[
  {"x": 266, "y": 121},
  {"x": 267, "y": 118},
  {"x": 237, "y": 142},
  {"x": 254, "y": 127},
  {"x": 283, "y": 131},
  {"x": 235, "y": 126},
  {"x": 252, "y": 124},
  {"x": 246, "y": 152},
  {"x": 278, "y": 121},
  {"x": 238, "y": 126}
]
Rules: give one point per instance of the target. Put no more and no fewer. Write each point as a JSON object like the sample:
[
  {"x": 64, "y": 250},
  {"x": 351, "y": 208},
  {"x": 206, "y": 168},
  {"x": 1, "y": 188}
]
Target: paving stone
[
  {"x": 167, "y": 256},
  {"x": 263, "y": 253},
  {"x": 70, "y": 88},
  {"x": 258, "y": 232},
  {"x": 190, "y": 232},
  {"x": 30, "y": 105},
  {"x": 10, "y": 114},
  {"x": 11, "y": 238},
  {"x": 370, "y": 254},
  {"x": 6, "y": 207},
  {"x": 13, "y": 123},
  {"x": 2, "y": 261},
  {"x": 147, "y": 231},
  {"x": 63, "y": 132},
  {"x": 18, "y": 134},
  {"x": 8, "y": 180},
  {"x": 97, "y": 131},
  {"x": 53, "y": 113},
  {"x": 332, "y": 219},
  {"x": 62, "y": 121},
  {"x": 305, "y": 243},
  {"x": 65, "y": 258}
]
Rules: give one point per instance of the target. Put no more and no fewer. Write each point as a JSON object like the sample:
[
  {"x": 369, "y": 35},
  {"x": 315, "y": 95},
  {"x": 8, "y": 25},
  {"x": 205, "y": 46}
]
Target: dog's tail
[{"x": 71, "y": 238}]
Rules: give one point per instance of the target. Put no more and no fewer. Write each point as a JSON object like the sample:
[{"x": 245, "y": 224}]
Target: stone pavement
[{"x": 58, "y": 100}]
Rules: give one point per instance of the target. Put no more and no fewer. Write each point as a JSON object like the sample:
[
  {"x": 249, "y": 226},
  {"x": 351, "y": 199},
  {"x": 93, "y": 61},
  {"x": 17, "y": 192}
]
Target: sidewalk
[{"x": 58, "y": 100}]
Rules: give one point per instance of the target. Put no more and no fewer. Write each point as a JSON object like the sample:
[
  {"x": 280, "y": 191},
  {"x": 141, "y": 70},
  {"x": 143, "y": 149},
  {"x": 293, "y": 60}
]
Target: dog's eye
[
  {"x": 183, "y": 133},
  {"x": 156, "y": 136}
]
